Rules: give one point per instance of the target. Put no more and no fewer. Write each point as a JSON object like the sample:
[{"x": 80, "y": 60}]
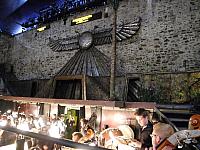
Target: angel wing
[
  {"x": 65, "y": 44},
  {"x": 126, "y": 31},
  {"x": 123, "y": 32}
]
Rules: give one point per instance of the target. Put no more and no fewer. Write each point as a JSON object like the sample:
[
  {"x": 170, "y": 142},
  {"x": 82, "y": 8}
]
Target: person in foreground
[
  {"x": 161, "y": 131},
  {"x": 142, "y": 130},
  {"x": 76, "y": 136}
]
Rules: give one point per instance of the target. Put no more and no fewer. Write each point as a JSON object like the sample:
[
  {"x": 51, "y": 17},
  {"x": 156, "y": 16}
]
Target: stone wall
[
  {"x": 6, "y": 46},
  {"x": 168, "y": 40}
]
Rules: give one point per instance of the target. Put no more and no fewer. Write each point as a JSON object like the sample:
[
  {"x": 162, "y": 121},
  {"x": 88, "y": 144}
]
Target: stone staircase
[{"x": 179, "y": 115}]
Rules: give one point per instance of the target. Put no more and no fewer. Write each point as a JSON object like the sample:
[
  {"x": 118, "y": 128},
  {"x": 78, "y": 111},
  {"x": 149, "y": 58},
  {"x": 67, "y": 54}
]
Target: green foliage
[
  {"x": 195, "y": 96},
  {"x": 171, "y": 88}
]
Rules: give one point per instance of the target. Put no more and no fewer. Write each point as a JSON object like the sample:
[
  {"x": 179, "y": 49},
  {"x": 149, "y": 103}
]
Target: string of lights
[{"x": 61, "y": 10}]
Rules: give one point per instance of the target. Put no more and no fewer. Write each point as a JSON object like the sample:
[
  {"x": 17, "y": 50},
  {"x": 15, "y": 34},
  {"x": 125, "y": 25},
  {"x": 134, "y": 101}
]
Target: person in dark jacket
[{"x": 142, "y": 130}]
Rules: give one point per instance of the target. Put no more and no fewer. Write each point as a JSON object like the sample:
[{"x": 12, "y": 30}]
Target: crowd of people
[
  {"x": 147, "y": 135},
  {"x": 54, "y": 127}
]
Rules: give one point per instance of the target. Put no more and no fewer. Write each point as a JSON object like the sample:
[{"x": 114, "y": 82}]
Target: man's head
[
  {"x": 160, "y": 132},
  {"x": 141, "y": 116},
  {"x": 83, "y": 122},
  {"x": 76, "y": 136}
]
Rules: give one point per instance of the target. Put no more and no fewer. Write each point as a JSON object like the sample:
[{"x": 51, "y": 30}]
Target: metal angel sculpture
[
  {"x": 95, "y": 37},
  {"x": 89, "y": 60}
]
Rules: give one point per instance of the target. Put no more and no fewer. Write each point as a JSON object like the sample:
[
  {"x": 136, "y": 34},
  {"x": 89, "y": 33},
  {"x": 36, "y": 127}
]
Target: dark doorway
[
  {"x": 82, "y": 112},
  {"x": 133, "y": 90},
  {"x": 6, "y": 105},
  {"x": 34, "y": 88},
  {"x": 41, "y": 108},
  {"x": 61, "y": 110},
  {"x": 69, "y": 89}
]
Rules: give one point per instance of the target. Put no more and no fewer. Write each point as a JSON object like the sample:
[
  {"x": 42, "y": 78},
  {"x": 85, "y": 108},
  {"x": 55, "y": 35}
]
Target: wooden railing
[
  {"x": 163, "y": 117},
  {"x": 62, "y": 142}
]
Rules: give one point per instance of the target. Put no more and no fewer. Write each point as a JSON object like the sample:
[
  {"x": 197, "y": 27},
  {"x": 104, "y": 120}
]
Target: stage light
[
  {"x": 82, "y": 19},
  {"x": 87, "y": 18},
  {"x": 40, "y": 29}
]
